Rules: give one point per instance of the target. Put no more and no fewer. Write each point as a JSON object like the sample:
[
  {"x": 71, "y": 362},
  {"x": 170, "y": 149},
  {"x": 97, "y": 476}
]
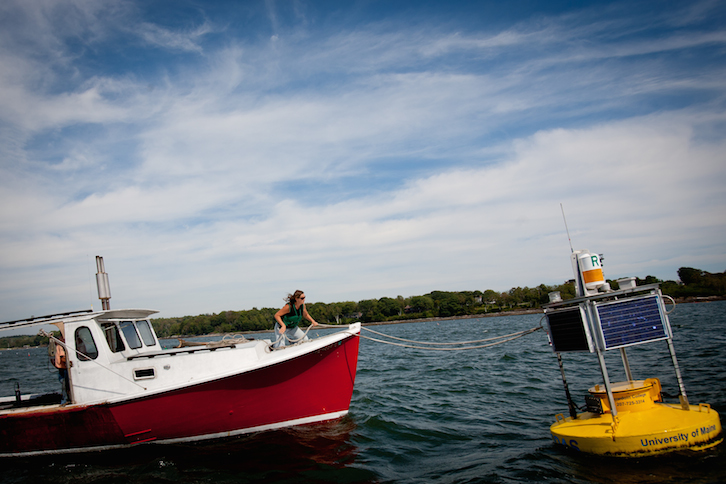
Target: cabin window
[
  {"x": 147, "y": 335},
  {"x": 132, "y": 337},
  {"x": 85, "y": 344},
  {"x": 113, "y": 337}
]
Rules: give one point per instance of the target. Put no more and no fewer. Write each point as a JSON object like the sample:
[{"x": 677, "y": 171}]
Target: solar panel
[
  {"x": 568, "y": 331},
  {"x": 631, "y": 322}
]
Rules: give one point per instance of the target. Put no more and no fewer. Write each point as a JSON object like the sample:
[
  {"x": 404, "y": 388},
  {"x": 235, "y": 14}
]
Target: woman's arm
[
  {"x": 280, "y": 314},
  {"x": 308, "y": 317}
]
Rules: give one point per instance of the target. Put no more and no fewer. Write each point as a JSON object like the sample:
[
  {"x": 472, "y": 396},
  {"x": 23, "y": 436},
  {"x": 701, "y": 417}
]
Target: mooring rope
[
  {"x": 512, "y": 337},
  {"x": 450, "y": 343},
  {"x": 431, "y": 345},
  {"x": 293, "y": 341},
  {"x": 234, "y": 338}
]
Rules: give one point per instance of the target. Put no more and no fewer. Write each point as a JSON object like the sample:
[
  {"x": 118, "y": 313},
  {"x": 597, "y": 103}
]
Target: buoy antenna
[{"x": 566, "y": 229}]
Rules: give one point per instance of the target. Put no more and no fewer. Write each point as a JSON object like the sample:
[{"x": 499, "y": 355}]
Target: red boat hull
[{"x": 312, "y": 387}]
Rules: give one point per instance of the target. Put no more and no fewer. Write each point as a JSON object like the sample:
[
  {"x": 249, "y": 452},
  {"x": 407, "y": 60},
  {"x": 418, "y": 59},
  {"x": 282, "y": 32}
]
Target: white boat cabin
[{"x": 115, "y": 354}]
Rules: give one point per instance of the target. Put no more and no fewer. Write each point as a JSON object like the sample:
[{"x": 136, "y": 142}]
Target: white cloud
[
  {"x": 620, "y": 184},
  {"x": 170, "y": 39}
]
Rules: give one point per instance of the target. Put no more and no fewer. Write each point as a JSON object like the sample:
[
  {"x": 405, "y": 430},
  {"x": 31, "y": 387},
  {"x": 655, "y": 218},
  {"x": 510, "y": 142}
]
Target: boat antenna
[
  {"x": 566, "y": 229},
  {"x": 570, "y": 403}
]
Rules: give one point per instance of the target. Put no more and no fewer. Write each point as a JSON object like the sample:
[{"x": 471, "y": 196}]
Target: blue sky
[{"x": 219, "y": 155}]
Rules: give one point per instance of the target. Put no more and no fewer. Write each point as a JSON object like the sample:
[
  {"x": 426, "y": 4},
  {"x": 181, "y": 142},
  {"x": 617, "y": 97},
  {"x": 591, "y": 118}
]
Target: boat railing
[{"x": 188, "y": 350}]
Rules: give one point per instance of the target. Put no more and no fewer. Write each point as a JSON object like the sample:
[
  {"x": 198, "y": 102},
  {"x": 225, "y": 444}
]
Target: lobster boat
[
  {"x": 123, "y": 389},
  {"x": 628, "y": 418}
]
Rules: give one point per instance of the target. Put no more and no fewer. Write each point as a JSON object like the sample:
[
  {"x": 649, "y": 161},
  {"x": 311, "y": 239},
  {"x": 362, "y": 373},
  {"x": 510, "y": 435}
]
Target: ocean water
[{"x": 424, "y": 416}]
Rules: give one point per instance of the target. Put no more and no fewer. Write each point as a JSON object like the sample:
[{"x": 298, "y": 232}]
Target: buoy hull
[{"x": 663, "y": 428}]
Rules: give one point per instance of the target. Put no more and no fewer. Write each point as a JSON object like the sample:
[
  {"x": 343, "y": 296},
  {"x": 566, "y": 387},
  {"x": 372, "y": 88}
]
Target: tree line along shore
[{"x": 694, "y": 285}]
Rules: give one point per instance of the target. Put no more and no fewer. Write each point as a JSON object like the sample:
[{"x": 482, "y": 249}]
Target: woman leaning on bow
[{"x": 288, "y": 319}]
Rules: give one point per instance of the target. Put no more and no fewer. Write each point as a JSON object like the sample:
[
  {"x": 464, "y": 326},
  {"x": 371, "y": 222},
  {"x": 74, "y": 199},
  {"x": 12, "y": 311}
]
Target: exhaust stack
[{"x": 104, "y": 289}]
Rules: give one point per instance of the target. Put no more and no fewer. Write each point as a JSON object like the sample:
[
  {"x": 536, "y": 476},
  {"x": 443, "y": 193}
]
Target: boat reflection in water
[{"x": 287, "y": 453}]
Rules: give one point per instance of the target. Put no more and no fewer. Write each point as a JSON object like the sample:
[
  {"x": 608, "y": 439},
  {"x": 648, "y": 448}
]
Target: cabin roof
[
  {"x": 114, "y": 314},
  {"x": 82, "y": 315}
]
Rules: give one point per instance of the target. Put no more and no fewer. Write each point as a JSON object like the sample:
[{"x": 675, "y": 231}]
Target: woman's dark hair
[{"x": 292, "y": 298}]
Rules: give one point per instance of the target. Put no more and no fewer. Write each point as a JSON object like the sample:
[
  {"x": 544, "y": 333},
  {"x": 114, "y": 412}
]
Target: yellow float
[{"x": 624, "y": 419}]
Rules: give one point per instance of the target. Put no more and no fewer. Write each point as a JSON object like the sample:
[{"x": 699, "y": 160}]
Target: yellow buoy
[
  {"x": 657, "y": 429},
  {"x": 626, "y": 418}
]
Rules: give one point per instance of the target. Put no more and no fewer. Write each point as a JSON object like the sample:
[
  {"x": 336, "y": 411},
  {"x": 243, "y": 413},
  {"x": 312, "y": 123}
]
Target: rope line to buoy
[
  {"x": 509, "y": 337},
  {"x": 452, "y": 343},
  {"x": 421, "y": 345},
  {"x": 283, "y": 336},
  {"x": 429, "y": 345}
]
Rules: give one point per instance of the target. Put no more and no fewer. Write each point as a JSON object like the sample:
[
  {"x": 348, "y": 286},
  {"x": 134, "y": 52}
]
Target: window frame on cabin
[
  {"x": 113, "y": 335},
  {"x": 86, "y": 339}
]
